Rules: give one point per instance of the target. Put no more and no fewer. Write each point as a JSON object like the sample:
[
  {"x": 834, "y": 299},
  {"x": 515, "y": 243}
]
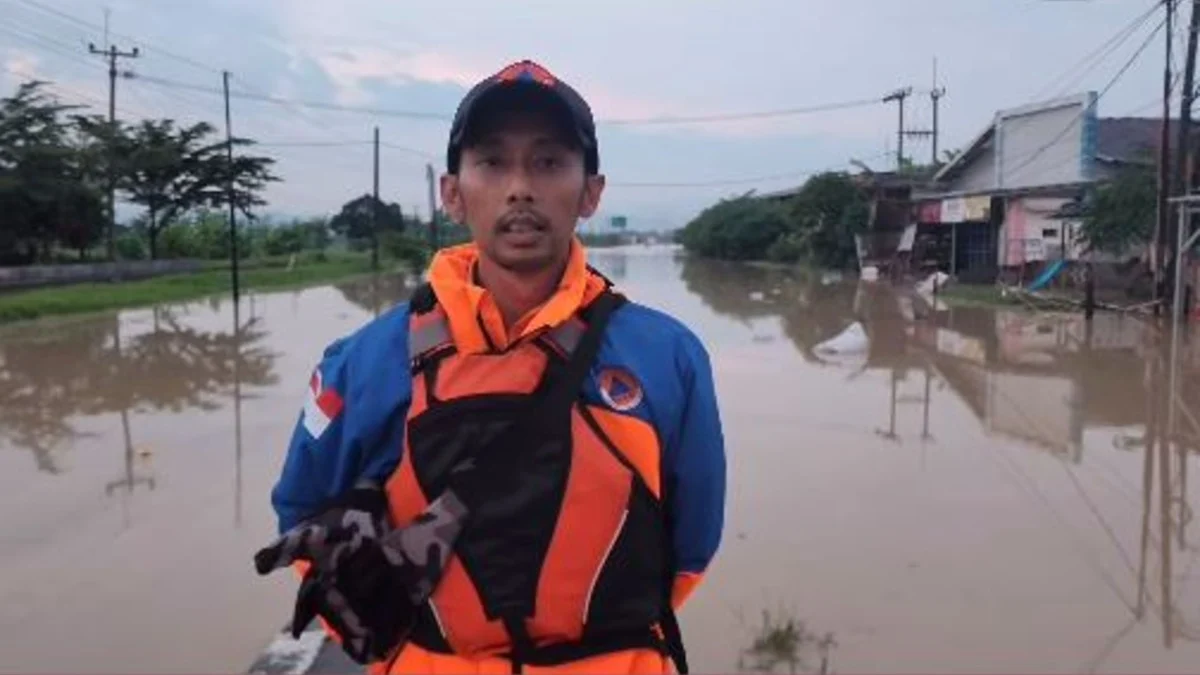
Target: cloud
[
  {"x": 19, "y": 66},
  {"x": 631, "y": 59}
]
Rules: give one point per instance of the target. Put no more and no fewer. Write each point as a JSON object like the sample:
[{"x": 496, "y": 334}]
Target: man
[{"x": 565, "y": 545}]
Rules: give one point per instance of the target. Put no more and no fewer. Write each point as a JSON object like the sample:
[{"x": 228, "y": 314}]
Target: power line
[
  {"x": 413, "y": 151},
  {"x": 145, "y": 44},
  {"x": 735, "y": 117},
  {"x": 92, "y": 100},
  {"x": 736, "y": 181},
  {"x": 49, "y": 44},
  {"x": 685, "y": 119},
  {"x": 1077, "y": 118},
  {"x": 245, "y": 95},
  {"x": 443, "y": 117},
  {"x": 311, "y": 144},
  {"x": 1097, "y": 56},
  {"x": 298, "y": 112}
]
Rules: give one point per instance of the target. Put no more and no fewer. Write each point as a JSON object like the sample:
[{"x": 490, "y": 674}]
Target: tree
[
  {"x": 1121, "y": 213},
  {"x": 171, "y": 171},
  {"x": 45, "y": 192},
  {"x": 355, "y": 219},
  {"x": 741, "y": 228},
  {"x": 818, "y": 223},
  {"x": 829, "y": 210}
]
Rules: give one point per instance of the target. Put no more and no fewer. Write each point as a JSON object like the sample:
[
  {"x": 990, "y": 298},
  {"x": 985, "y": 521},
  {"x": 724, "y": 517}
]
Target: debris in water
[
  {"x": 926, "y": 287},
  {"x": 831, "y": 277},
  {"x": 853, "y": 340}
]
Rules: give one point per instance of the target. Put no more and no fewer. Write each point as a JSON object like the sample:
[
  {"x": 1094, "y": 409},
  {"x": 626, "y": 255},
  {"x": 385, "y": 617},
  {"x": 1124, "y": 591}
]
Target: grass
[
  {"x": 785, "y": 641},
  {"x": 95, "y": 297},
  {"x": 970, "y": 295}
]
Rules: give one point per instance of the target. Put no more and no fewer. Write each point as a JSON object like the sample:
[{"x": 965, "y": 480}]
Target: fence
[{"x": 33, "y": 276}]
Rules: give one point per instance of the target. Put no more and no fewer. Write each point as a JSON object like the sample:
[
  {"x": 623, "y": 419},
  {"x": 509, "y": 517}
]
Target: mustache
[{"x": 523, "y": 216}]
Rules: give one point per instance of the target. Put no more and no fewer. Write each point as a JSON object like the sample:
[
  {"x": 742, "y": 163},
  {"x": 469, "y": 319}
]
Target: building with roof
[{"x": 1011, "y": 198}]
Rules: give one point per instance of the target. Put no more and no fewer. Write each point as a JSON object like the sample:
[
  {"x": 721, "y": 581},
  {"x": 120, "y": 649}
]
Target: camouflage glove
[
  {"x": 360, "y": 514},
  {"x": 366, "y": 581}
]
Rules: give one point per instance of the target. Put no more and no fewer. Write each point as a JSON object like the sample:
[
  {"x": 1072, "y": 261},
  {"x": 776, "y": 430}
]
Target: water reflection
[
  {"x": 49, "y": 377},
  {"x": 378, "y": 293},
  {"x": 812, "y": 307},
  {"x": 974, "y": 489},
  {"x": 1041, "y": 381}
]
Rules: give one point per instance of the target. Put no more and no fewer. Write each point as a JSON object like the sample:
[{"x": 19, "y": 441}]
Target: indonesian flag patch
[{"x": 321, "y": 406}]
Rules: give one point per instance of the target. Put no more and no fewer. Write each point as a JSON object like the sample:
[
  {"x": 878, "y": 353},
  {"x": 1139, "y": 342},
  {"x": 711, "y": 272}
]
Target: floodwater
[{"x": 974, "y": 491}]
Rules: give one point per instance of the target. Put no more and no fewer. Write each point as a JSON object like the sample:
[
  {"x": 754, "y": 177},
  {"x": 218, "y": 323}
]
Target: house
[{"x": 1012, "y": 197}]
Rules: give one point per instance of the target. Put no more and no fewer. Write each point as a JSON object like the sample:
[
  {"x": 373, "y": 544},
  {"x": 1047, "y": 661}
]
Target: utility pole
[
  {"x": 936, "y": 95},
  {"x": 375, "y": 209},
  {"x": 233, "y": 247},
  {"x": 433, "y": 212},
  {"x": 1179, "y": 186},
  {"x": 899, "y": 95},
  {"x": 112, "y": 54},
  {"x": 1158, "y": 245}
]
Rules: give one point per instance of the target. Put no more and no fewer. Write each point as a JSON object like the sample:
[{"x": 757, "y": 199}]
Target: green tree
[
  {"x": 354, "y": 221},
  {"x": 170, "y": 171},
  {"x": 45, "y": 193},
  {"x": 1121, "y": 213},
  {"x": 829, "y": 210},
  {"x": 818, "y": 223},
  {"x": 741, "y": 228}
]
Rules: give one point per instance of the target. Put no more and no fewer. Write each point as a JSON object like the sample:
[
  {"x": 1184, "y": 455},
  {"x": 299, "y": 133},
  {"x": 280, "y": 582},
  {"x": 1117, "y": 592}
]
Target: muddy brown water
[{"x": 975, "y": 490}]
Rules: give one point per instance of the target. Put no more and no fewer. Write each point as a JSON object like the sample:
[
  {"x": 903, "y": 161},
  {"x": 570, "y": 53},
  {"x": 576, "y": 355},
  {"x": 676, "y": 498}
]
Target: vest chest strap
[{"x": 430, "y": 333}]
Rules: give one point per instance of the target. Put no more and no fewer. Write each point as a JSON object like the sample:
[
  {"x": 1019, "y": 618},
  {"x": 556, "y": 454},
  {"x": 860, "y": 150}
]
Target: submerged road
[{"x": 972, "y": 490}]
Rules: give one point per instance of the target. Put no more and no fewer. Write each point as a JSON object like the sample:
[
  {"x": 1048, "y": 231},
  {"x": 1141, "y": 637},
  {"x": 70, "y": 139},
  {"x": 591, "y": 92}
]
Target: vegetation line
[{"x": 95, "y": 297}]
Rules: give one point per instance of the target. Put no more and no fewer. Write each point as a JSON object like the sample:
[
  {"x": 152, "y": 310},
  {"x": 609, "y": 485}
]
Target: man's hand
[
  {"x": 365, "y": 580},
  {"x": 341, "y": 527}
]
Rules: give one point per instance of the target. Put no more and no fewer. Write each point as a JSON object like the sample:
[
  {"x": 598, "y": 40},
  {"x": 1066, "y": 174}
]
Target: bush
[
  {"x": 787, "y": 249},
  {"x": 131, "y": 247},
  {"x": 406, "y": 248},
  {"x": 743, "y": 228},
  {"x": 819, "y": 223}
]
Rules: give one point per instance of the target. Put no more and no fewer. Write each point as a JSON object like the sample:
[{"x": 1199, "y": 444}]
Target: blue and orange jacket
[{"x": 650, "y": 394}]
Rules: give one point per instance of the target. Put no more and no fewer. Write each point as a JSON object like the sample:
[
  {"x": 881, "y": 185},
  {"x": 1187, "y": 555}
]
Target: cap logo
[{"x": 526, "y": 71}]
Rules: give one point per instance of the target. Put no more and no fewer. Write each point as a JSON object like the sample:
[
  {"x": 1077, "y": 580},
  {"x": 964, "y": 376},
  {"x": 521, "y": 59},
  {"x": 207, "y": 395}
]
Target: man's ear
[
  {"x": 593, "y": 188},
  {"x": 452, "y": 198}
]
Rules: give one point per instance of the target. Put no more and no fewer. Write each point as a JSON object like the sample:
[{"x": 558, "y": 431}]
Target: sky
[{"x": 403, "y": 65}]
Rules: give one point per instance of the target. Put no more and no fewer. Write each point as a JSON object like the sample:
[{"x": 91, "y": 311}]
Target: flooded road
[{"x": 976, "y": 490}]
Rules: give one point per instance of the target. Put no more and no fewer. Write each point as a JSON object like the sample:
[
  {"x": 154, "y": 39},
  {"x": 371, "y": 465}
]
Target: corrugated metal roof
[{"x": 1130, "y": 139}]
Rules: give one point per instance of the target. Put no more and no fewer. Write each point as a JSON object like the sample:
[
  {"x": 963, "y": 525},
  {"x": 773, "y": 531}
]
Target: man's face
[{"x": 521, "y": 189}]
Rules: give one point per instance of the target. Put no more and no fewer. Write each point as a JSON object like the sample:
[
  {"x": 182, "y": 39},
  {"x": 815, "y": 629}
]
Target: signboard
[
  {"x": 954, "y": 210},
  {"x": 966, "y": 209},
  {"x": 618, "y": 222},
  {"x": 929, "y": 212},
  {"x": 978, "y": 209}
]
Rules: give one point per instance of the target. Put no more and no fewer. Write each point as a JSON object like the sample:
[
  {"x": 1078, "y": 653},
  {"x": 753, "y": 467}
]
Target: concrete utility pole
[
  {"x": 433, "y": 212},
  {"x": 112, "y": 54},
  {"x": 375, "y": 209},
  {"x": 899, "y": 95},
  {"x": 233, "y": 247},
  {"x": 1179, "y": 185},
  {"x": 1158, "y": 245},
  {"x": 936, "y": 95}
]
